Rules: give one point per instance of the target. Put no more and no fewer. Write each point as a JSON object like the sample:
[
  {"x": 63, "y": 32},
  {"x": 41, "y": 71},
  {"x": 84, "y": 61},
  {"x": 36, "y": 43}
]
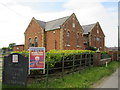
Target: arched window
[
  {"x": 29, "y": 42},
  {"x": 78, "y": 39},
  {"x": 68, "y": 38},
  {"x": 36, "y": 42}
]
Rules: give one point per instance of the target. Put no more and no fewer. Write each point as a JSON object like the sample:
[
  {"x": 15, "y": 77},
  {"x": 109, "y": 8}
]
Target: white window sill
[
  {"x": 68, "y": 45},
  {"x": 78, "y": 46}
]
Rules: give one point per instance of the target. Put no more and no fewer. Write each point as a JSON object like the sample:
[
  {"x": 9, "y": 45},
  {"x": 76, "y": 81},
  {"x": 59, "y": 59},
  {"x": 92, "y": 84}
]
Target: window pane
[
  {"x": 73, "y": 25},
  {"x": 29, "y": 42},
  {"x": 97, "y": 39},
  {"x": 36, "y": 42},
  {"x": 68, "y": 38}
]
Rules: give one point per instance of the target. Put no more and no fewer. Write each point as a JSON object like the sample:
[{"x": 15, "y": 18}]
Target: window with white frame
[
  {"x": 97, "y": 38},
  {"x": 73, "y": 25},
  {"x": 97, "y": 31}
]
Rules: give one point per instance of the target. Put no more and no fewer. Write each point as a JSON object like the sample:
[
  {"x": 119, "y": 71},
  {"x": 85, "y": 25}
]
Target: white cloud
[
  {"x": 91, "y": 12},
  {"x": 13, "y": 24},
  {"x": 14, "y": 18}
]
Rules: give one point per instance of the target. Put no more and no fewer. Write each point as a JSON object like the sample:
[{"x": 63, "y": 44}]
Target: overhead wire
[{"x": 12, "y": 10}]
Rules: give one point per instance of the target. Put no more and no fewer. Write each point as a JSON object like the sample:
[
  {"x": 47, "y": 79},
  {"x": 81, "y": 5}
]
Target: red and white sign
[{"x": 36, "y": 58}]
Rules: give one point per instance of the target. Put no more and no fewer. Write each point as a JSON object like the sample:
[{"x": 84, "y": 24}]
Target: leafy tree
[
  {"x": 4, "y": 49},
  {"x": 11, "y": 45}
]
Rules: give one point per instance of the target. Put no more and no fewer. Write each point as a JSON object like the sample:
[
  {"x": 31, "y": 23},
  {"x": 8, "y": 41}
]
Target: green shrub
[
  {"x": 55, "y": 56},
  {"x": 104, "y": 52},
  {"x": 91, "y": 48},
  {"x": 104, "y": 55},
  {"x": 24, "y": 53}
]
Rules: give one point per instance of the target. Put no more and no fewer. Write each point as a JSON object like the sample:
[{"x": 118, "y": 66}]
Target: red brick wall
[
  {"x": 18, "y": 48},
  {"x": 73, "y": 34},
  {"x": 51, "y": 36},
  {"x": 93, "y": 33},
  {"x": 114, "y": 55},
  {"x": 33, "y": 31}
]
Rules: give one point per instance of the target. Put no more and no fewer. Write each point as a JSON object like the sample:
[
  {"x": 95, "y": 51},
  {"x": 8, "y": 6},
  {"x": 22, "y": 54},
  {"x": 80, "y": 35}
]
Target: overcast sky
[{"x": 15, "y": 15}]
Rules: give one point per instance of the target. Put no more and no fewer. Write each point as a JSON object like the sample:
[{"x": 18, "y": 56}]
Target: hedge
[
  {"x": 55, "y": 56},
  {"x": 104, "y": 55}
]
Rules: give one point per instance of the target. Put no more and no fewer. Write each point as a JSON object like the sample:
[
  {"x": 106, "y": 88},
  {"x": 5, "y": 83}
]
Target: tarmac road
[
  {"x": 112, "y": 81},
  {"x": 0, "y": 73}
]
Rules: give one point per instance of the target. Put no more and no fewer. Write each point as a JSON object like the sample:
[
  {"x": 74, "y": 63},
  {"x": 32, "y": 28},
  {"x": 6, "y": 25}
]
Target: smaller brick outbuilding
[
  {"x": 94, "y": 36},
  {"x": 18, "y": 47}
]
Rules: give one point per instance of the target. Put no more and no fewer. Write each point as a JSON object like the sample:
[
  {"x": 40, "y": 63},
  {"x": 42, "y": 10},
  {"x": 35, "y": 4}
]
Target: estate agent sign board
[{"x": 36, "y": 58}]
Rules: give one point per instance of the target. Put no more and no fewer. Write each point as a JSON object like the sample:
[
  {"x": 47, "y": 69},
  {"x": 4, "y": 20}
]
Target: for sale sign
[{"x": 36, "y": 58}]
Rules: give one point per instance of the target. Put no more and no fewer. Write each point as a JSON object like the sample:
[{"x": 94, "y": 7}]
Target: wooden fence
[{"x": 75, "y": 63}]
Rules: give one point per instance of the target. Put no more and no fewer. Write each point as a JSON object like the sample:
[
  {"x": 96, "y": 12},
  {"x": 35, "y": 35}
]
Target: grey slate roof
[
  {"x": 88, "y": 28},
  {"x": 54, "y": 24},
  {"x": 42, "y": 23}
]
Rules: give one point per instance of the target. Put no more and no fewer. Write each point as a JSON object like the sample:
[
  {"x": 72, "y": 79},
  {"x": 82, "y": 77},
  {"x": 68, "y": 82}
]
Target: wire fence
[{"x": 69, "y": 63}]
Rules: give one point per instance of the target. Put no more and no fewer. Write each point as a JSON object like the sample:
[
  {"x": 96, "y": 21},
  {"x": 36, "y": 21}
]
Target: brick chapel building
[
  {"x": 94, "y": 36},
  {"x": 63, "y": 34}
]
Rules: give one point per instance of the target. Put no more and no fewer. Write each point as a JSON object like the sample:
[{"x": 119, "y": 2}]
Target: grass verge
[{"x": 85, "y": 79}]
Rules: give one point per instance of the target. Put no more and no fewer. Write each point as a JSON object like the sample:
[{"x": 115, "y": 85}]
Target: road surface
[
  {"x": 0, "y": 72},
  {"x": 112, "y": 81}
]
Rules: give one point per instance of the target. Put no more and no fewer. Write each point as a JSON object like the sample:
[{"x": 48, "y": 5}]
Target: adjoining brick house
[
  {"x": 63, "y": 34},
  {"x": 94, "y": 36}
]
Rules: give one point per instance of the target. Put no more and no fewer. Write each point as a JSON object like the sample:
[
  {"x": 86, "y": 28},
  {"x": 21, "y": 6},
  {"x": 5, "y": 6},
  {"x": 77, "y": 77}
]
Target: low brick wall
[{"x": 103, "y": 61}]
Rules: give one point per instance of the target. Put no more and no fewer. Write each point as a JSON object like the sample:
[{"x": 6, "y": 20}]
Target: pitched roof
[
  {"x": 54, "y": 24},
  {"x": 42, "y": 23},
  {"x": 88, "y": 28}
]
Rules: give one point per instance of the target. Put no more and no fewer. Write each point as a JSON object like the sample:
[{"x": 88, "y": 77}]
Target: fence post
[
  {"x": 47, "y": 74},
  {"x": 85, "y": 59},
  {"x": 63, "y": 66},
  {"x": 80, "y": 61},
  {"x": 96, "y": 60},
  {"x": 89, "y": 65},
  {"x": 73, "y": 62}
]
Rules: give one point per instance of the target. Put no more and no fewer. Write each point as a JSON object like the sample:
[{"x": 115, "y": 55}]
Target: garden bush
[
  {"x": 104, "y": 55},
  {"x": 24, "y": 53},
  {"x": 54, "y": 57}
]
